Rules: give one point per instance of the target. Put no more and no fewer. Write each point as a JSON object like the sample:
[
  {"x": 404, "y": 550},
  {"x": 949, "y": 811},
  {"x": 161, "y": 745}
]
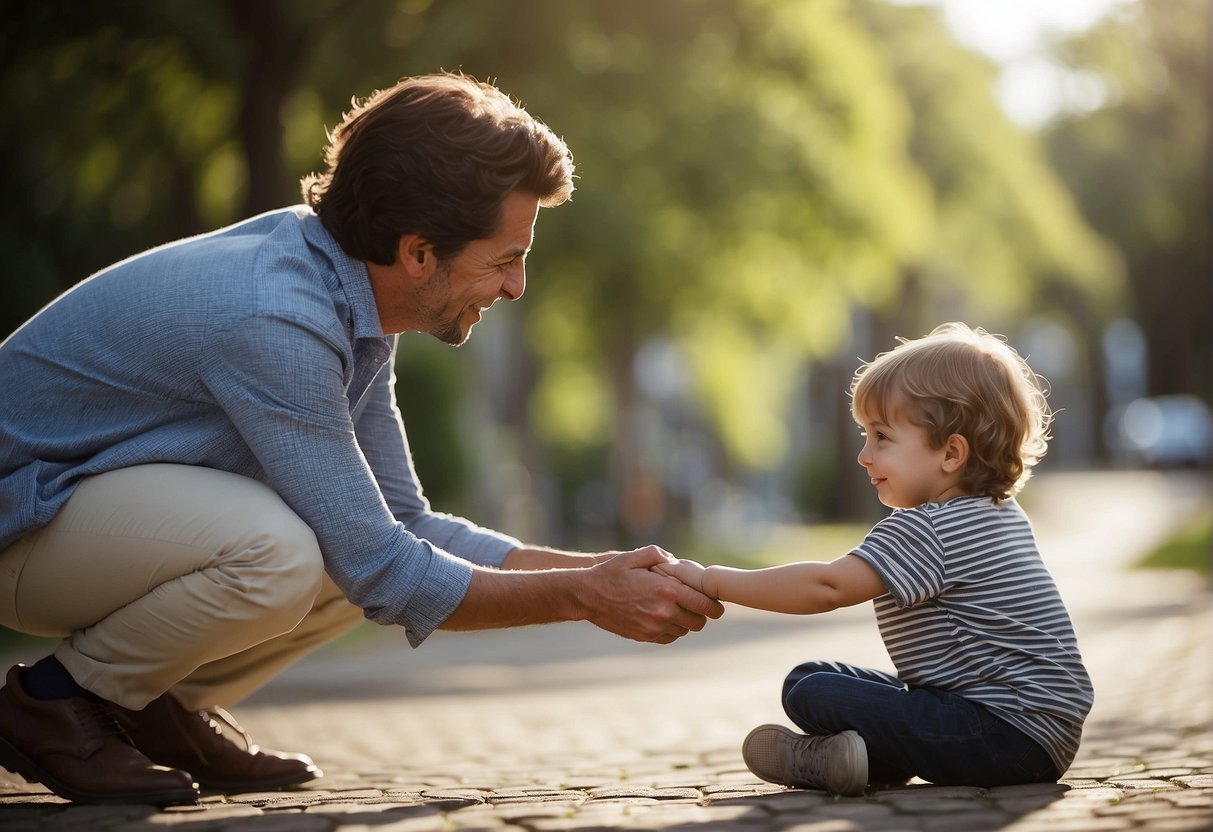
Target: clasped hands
[{"x": 639, "y": 595}]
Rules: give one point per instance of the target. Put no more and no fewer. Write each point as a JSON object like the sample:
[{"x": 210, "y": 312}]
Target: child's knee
[{"x": 800, "y": 673}]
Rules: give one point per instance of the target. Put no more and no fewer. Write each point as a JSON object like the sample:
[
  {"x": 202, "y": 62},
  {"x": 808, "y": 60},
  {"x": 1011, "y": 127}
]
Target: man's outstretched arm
[{"x": 619, "y": 594}]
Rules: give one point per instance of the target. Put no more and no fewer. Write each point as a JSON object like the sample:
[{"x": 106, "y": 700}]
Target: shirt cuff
[{"x": 443, "y": 587}]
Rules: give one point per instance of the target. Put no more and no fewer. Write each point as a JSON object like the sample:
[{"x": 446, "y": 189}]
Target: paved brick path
[{"x": 566, "y": 728}]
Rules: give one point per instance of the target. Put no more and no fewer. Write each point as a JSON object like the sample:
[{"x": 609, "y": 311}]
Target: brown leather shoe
[
  {"x": 77, "y": 749},
  {"x": 212, "y": 746}
]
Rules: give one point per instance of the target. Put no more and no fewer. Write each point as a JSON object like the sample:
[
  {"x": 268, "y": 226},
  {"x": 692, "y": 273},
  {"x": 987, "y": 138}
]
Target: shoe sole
[
  {"x": 18, "y": 763},
  {"x": 758, "y": 750},
  {"x": 244, "y": 786}
]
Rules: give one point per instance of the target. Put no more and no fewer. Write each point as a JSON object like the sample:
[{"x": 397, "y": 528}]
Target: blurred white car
[{"x": 1163, "y": 431}]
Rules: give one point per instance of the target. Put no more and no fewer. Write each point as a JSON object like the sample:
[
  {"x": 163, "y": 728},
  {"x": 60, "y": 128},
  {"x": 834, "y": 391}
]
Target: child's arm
[{"x": 801, "y": 588}]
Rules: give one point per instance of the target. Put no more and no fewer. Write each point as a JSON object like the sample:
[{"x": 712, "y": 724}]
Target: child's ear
[{"x": 955, "y": 453}]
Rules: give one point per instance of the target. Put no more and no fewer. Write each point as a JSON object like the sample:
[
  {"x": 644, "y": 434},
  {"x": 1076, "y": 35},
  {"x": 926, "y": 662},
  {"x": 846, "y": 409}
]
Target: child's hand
[{"x": 687, "y": 571}]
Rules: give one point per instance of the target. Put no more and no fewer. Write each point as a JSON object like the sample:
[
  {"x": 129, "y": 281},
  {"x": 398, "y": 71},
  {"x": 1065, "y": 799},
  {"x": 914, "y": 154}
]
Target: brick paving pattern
[{"x": 567, "y": 728}]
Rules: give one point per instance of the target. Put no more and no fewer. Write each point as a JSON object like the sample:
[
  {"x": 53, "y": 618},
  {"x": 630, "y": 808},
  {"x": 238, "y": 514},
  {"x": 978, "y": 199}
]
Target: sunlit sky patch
[{"x": 1032, "y": 88}]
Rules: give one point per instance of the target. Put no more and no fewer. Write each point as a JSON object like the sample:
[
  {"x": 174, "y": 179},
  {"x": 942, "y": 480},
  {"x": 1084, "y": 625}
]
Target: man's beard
[
  {"x": 452, "y": 332},
  {"x": 439, "y": 286}
]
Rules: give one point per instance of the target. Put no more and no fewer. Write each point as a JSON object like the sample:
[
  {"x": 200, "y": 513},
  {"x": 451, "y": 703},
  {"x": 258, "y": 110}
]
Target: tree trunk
[{"x": 274, "y": 56}]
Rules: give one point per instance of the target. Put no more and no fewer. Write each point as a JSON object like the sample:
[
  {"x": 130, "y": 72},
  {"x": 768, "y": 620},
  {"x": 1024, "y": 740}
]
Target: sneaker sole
[{"x": 761, "y": 752}]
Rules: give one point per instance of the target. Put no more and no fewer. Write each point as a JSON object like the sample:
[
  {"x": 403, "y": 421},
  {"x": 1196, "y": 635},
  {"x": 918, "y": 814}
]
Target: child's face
[{"x": 905, "y": 470}]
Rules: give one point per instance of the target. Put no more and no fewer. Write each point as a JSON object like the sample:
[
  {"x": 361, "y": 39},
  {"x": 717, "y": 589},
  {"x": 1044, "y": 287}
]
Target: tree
[{"x": 1140, "y": 167}]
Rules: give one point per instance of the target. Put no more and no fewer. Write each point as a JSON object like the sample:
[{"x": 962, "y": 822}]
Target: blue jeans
[{"x": 925, "y": 732}]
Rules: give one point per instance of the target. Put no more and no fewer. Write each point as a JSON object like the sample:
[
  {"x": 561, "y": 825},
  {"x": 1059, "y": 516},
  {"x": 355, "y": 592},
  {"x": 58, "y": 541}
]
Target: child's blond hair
[{"x": 959, "y": 380}]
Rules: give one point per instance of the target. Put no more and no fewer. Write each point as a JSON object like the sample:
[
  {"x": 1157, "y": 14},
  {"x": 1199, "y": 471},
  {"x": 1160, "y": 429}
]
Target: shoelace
[
  {"x": 99, "y": 719},
  {"x": 805, "y": 762},
  {"x": 222, "y": 722}
]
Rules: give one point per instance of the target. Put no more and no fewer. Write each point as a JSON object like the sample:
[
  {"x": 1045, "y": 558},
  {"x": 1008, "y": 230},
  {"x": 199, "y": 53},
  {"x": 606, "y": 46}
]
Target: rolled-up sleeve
[{"x": 283, "y": 383}]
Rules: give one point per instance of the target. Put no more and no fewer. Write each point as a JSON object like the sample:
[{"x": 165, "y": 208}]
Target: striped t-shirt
[{"x": 972, "y": 609}]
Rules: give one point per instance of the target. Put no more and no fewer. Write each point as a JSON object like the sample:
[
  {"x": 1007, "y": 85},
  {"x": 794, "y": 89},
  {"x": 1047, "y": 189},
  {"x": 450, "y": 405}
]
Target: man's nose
[{"x": 515, "y": 283}]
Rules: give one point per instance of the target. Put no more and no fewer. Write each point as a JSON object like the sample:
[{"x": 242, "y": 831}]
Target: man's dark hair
[{"x": 435, "y": 155}]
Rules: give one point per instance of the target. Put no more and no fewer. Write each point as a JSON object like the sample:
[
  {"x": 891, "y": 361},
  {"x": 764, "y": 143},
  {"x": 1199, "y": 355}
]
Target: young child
[{"x": 990, "y": 687}]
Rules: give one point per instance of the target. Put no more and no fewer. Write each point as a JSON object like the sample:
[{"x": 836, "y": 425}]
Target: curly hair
[
  {"x": 959, "y": 380},
  {"x": 434, "y": 155}
]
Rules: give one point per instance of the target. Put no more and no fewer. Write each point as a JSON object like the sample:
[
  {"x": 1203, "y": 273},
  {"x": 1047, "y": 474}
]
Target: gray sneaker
[{"x": 837, "y": 763}]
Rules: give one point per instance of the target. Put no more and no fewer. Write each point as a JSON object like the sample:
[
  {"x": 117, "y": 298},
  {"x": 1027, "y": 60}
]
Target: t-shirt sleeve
[{"x": 905, "y": 551}]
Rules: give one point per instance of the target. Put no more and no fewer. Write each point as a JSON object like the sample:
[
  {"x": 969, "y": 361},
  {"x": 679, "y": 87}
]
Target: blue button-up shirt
[{"x": 256, "y": 349}]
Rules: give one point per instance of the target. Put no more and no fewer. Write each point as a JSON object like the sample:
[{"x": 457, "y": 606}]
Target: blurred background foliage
[{"x": 769, "y": 191}]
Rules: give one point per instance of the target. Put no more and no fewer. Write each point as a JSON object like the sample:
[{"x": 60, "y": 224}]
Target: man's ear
[
  {"x": 955, "y": 453},
  {"x": 415, "y": 255}
]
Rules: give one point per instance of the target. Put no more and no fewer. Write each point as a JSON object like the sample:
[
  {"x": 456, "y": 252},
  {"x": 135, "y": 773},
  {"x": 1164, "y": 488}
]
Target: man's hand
[{"x": 624, "y": 596}]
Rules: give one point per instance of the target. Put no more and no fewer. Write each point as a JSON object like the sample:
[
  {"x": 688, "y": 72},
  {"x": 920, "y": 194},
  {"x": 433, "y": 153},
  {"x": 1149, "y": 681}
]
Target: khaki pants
[{"x": 173, "y": 577}]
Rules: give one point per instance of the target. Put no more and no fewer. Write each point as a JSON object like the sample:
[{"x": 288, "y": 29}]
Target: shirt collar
[{"x": 352, "y": 275}]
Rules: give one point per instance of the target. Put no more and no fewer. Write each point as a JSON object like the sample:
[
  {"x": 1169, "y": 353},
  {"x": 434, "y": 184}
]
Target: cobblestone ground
[{"x": 565, "y": 728}]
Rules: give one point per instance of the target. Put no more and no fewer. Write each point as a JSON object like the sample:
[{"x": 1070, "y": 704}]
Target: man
[{"x": 204, "y": 474}]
